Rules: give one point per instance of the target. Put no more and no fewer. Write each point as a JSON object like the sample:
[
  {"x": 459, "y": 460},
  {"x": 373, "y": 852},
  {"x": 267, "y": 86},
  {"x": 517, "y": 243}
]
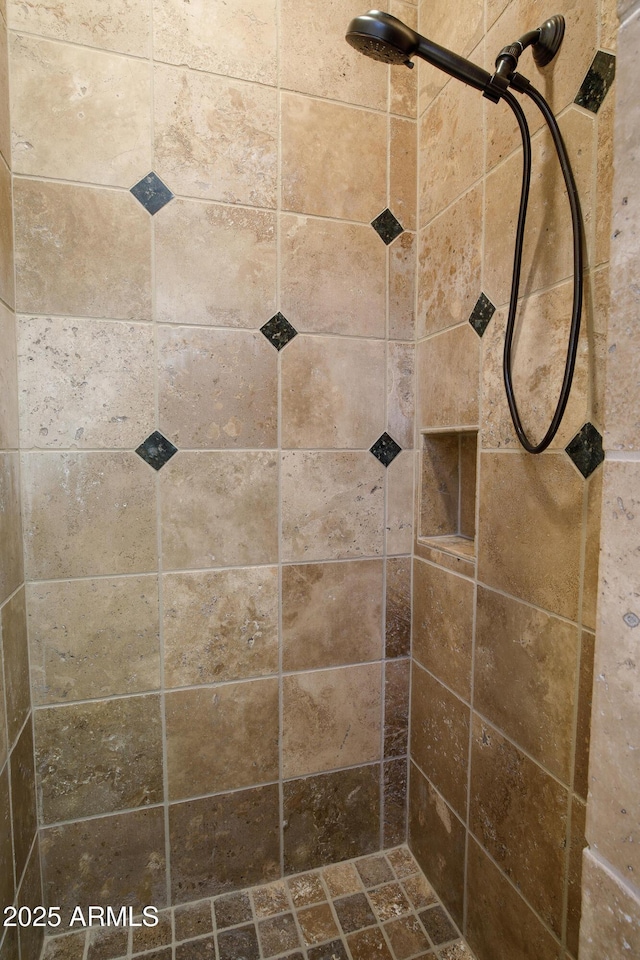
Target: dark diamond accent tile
[
  {"x": 387, "y": 226},
  {"x": 278, "y": 331},
  {"x": 152, "y": 193},
  {"x": 385, "y": 449},
  {"x": 156, "y": 450},
  {"x": 597, "y": 82},
  {"x": 481, "y": 314},
  {"x": 586, "y": 450}
]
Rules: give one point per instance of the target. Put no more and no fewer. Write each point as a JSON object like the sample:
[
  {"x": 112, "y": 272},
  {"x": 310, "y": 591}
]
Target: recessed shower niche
[{"x": 447, "y": 513}]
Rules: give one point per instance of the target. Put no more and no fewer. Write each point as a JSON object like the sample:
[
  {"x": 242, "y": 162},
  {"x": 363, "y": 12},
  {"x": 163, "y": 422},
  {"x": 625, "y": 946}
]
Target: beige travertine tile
[
  {"x": 23, "y": 797},
  {"x": 219, "y": 509},
  {"x": 13, "y": 630},
  {"x": 583, "y": 722},
  {"x": 333, "y": 159},
  {"x": 403, "y": 171},
  {"x": 623, "y": 386},
  {"x": 439, "y": 491},
  {"x": 450, "y": 265},
  {"x": 614, "y": 798},
  {"x": 578, "y": 843},
  {"x": 518, "y": 641},
  {"x": 224, "y": 842},
  {"x": 443, "y": 625},
  {"x": 217, "y": 388},
  {"x": 7, "y": 252},
  {"x": 236, "y": 39},
  {"x": 8, "y": 381},
  {"x": 611, "y": 914},
  {"x": 4, "y": 753},
  {"x": 331, "y": 719},
  {"x": 399, "y": 516},
  {"x": 222, "y": 738},
  {"x": 548, "y": 247},
  {"x": 332, "y": 392},
  {"x": 437, "y": 841},
  {"x": 333, "y": 276},
  {"x": 530, "y": 528},
  {"x": 129, "y": 848},
  {"x": 592, "y": 550},
  {"x": 317, "y": 924},
  {"x": 220, "y": 625},
  {"x": 468, "y": 483},
  {"x": 215, "y": 265},
  {"x": 458, "y": 29},
  {"x": 332, "y": 505},
  {"x": 98, "y": 103},
  {"x": 7, "y": 887},
  {"x": 402, "y": 81},
  {"x": 56, "y": 227},
  {"x": 123, "y": 26},
  {"x": 440, "y": 737},
  {"x": 395, "y": 801},
  {"x": 400, "y": 392},
  {"x": 93, "y": 638},
  {"x": 538, "y": 356},
  {"x": 396, "y": 706},
  {"x": 342, "y": 879},
  {"x": 215, "y": 137},
  {"x": 30, "y": 895},
  {"x": 87, "y": 514},
  {"x": 450, "y": 144},
  {"x": 331, "y": 614},
  {"x": 315, "y": 58},
  {"x": 84, "y": 383},
  {"x": 499, "y": 922},
  {"x": 604, "y": 178},
  {"x": 402, "y": 281},
  {"x": 98, "y": 757},
  {"x": 451, "y": 358},
  {"x": 398, "y": 607},
  {"x": 5, "y": 120},
  {"x": 519, "y": 813},
  {"x": 596, "y": 319},
  {"x": 12, "y": 565}
]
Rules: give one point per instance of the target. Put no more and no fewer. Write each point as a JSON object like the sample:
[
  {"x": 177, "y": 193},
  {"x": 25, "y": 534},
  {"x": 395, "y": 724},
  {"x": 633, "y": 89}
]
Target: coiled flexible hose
[{"x": 576, "y": 220}]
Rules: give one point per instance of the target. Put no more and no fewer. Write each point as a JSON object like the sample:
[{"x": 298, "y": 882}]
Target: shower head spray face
[
  {"x": 389, "y": 40},
  {"x": 383, "y": 37}
]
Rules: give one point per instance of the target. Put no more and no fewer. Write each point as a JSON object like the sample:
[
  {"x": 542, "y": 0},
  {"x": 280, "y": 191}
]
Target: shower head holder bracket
[{"x": 548, "y": 43}]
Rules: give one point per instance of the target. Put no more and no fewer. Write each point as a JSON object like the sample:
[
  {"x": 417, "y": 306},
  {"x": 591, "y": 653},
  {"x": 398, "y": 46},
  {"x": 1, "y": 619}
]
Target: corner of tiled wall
[
  {"x": 215, "y": 253},
  {"x": 504, "y": 633},
  {"x": 611, "y": 867},
  {"x": 20, "y": 878}
]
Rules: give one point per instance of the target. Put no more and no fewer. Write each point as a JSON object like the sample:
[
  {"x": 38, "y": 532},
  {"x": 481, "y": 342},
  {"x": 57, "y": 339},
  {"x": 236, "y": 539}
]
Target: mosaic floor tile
[{"x": 377, "y": 907}]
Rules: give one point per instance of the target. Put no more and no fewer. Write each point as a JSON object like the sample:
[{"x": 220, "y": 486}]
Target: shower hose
[{"x": 576, "y": 220}]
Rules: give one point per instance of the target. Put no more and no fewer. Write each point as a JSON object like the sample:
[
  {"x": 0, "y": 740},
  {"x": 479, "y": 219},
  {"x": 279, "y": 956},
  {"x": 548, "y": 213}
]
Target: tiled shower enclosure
[{"x": 253, "y": 291}]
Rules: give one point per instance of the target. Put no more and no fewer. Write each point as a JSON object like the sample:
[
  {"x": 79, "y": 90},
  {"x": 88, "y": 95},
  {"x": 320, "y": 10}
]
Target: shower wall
[
  {"x": 611, "y": 882},
  {"x": 218, "y": 636},
  {"x": 505, "y": 605},
  {"x": 19, "y": 851}
]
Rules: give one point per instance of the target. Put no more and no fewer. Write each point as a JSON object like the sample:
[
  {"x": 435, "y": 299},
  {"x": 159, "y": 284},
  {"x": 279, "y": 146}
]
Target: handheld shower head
[{"x": 385, "y": 38}]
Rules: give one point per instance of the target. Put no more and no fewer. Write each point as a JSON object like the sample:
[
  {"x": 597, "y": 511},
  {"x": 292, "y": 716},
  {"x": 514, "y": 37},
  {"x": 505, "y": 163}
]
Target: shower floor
[{"x": 378, "y": 907}]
